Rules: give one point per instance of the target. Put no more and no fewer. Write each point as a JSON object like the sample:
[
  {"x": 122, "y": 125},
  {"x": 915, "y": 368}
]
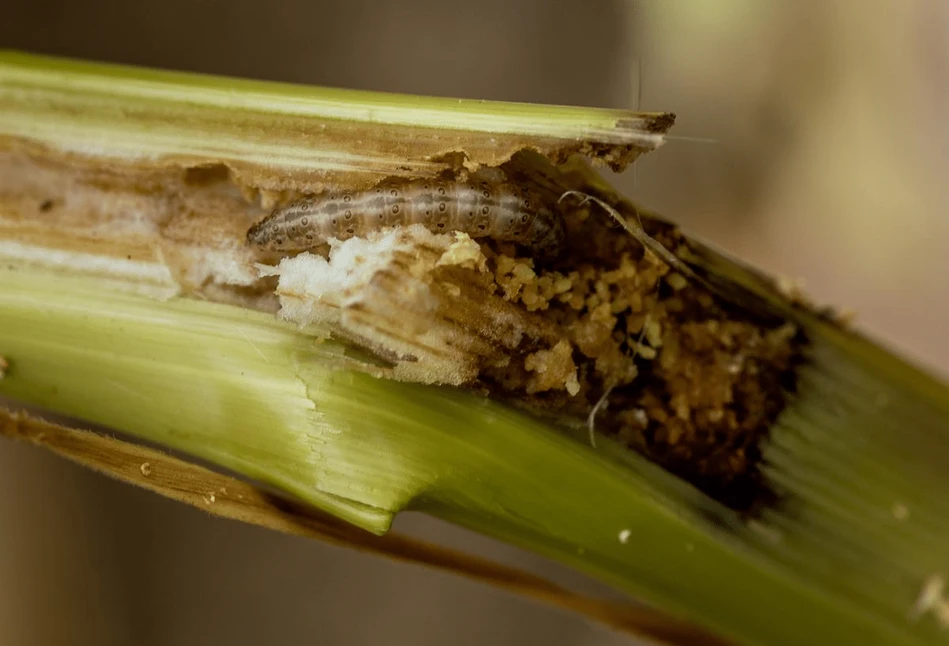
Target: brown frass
[{"x": 697, "y": 381}]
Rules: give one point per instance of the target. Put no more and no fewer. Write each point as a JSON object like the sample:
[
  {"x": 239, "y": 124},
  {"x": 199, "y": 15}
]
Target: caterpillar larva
[{"x": 502, "y": 211}]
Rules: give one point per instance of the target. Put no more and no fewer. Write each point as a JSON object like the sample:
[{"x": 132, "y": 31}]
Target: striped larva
[{"x": 502, "y": 211}]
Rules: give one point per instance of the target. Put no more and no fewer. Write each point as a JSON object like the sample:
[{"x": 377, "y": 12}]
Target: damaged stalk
[{"x": 445, "y": 323}]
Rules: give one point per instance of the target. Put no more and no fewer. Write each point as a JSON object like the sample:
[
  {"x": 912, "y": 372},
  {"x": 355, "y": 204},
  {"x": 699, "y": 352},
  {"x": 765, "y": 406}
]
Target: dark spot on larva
[
  {"x": 347, "y": 198},
  {"x": 304, "y": 222},
  {"x": 441, "y": 190},
  {"x": 441, "y": 225},
  {"x": 309, "y": 236},
  {"x": 381, "y": 216},
  {"x": 46, "y": 206},
  {"x": 395, "y": 210},
  {"x": 351, "y": 231},
  {"x": 278, "y": 241},
  {"x": 275, "y": 229},
  {"x": 348, "y": 215},
  {"x": 486, "y": 193},
  {"x": 524, "y": 219},
  {"x": 510, "y": 221},
  {"x": 527, "y": 204},
  {"x": 484, "y": 210},
  {"x": 334, "y": 222},
  {"x": 442, "y": 206},
  {"x": 482, "y": 227},
  {"x": 426, "y": 187},
  {"x": 394, "y": 193},
  {"x": 428, "y": 213},
  {"x": 304, "y": 206},
  {"x": 470, "y": 215}
]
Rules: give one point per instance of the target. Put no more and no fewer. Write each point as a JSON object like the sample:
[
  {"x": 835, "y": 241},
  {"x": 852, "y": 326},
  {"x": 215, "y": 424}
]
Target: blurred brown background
[{"x": 827, "y": 160}]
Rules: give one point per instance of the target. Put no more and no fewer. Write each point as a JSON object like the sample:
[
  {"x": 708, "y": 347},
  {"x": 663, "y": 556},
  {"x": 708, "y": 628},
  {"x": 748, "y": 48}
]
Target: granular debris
[
  {"x": 696, "y": 382},
  {"x": 684, "y": 377}
]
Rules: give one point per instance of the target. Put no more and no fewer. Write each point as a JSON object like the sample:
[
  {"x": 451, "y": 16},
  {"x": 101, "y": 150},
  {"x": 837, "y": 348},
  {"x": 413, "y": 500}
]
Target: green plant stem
[{"x": 247, "y": 393}]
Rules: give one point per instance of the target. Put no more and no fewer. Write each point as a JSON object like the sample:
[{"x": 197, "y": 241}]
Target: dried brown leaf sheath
[{"x": 227, "y": 497}]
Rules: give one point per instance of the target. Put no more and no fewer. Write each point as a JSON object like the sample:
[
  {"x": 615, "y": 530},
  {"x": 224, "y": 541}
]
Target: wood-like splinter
[{"x": 498, "y": 210}]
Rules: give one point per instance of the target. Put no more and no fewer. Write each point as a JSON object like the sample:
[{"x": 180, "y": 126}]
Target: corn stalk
[{"x": 126, "y": 300}]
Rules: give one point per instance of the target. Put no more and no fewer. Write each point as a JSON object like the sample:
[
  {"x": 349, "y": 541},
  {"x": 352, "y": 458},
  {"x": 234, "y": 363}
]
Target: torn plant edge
[
  {"x": 152, "y": 178},
  {"x": 612, "y": 333},
  {"x": 273, "y": 137}
]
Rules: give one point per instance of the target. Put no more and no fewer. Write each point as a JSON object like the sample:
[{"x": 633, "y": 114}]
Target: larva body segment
[{"x": 502, "y": 211}]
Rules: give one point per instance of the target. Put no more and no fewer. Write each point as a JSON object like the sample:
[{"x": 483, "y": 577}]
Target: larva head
[
  {"x": 282, "y": 230},
  {"x": 546, "y": 234},
  {"x": 266, "y": 234}
]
